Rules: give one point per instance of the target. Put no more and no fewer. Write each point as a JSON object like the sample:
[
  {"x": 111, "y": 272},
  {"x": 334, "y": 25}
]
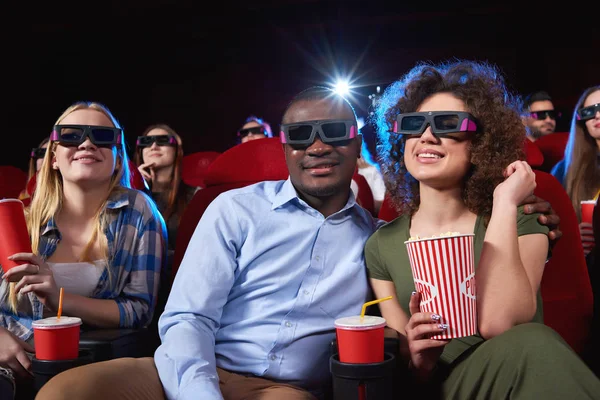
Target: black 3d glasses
[
  {"x": 76, "y": 134},
  {"x": 441, "y": 122},
  {"x": 542, "y": 115},
  {"x": 329, "y": 131},
  {"x": 160, "y": 140},
  {"x": 38, "y": 152},
  {"x": 589, "y": 112},
  {"x": 257, "y": 130}
]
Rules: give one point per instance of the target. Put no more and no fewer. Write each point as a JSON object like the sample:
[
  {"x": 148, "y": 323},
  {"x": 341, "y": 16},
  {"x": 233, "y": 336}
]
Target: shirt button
[
  {"x": 306, "y": 292},
  {"x": 273, "y": 357},
  {"x": 288, "y": 324},
  {"x": 317, "y": 258}
]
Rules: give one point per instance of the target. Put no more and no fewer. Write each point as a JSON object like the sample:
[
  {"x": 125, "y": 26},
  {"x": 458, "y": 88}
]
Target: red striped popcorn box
[{"x": 444, "y": 274}]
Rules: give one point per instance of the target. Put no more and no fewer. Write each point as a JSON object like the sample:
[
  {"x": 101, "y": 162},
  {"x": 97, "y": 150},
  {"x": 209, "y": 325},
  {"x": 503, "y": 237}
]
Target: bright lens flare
[{"x": 342, "y": 88}]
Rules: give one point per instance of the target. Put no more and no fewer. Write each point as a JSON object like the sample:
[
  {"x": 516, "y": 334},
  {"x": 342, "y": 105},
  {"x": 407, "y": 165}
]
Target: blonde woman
[
  {"x": 579, "y": 170},
  {"x": 103, "y": 242}
]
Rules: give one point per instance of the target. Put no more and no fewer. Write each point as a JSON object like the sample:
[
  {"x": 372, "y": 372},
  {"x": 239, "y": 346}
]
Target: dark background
[{"x": 203, "y": 70}]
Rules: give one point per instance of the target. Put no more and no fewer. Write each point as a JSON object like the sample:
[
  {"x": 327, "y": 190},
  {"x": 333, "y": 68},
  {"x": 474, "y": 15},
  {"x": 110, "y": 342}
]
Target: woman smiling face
[{"x": 439, "y": 161}]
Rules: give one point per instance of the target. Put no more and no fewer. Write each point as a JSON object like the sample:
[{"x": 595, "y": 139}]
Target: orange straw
[
  {"x": 60, "y": 301},
  {"x": 370, "y": 303},
  {"x": 596, "y": 196}
]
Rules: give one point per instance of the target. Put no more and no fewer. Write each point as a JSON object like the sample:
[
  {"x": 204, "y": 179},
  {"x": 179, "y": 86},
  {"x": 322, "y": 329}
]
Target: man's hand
[{"x": 533, "y": 204}]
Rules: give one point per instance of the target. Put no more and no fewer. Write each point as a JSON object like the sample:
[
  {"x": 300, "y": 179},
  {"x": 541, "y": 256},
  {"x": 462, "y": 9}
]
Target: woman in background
[
  {"x": 579, "y": 170},
  {"x": 159, "y": 157}
]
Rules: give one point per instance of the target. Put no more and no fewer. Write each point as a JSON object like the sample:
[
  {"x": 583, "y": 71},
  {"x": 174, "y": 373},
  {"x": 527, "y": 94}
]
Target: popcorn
[{"x": 444, "y": 234}]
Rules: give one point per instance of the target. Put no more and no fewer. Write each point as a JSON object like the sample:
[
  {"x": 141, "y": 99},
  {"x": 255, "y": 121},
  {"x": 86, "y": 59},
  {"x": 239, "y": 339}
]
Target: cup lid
[
  {"x": 55, "y": 323},
  {"x": 588, "y": 201},
  {"x": 356, "y": 324},
  {"x": 11, "y": 200},
  {"x": 439, "y": 237}
]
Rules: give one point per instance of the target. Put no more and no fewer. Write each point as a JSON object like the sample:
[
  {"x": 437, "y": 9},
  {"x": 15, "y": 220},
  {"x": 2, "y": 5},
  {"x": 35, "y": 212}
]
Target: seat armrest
[{"x": 106, "y": 344}]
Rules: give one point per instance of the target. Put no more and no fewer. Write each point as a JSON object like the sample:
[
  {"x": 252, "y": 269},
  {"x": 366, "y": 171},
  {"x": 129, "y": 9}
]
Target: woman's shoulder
[
  {"x": 391, "y": 230},
  {"x": 133, "y": 199}
]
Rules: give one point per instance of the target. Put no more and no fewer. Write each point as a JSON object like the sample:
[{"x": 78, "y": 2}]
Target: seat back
[
  {"x": 365, "y": 194},
  {"x": 387, "y": 212},
  {"x": 553, "y": 148},
  {"x": 566, "y": 289},
  {"x": 533, "y": 154},
  {"x": 12, "y": 181},
  {"x": 135, "y": 179},
  {"x": 241, "y": 165},
  {"x": 195, "y": 166}
]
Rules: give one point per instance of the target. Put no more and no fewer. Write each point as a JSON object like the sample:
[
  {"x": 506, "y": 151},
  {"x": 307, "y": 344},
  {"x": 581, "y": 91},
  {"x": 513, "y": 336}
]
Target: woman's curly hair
[{"x": 498, "y": 142}]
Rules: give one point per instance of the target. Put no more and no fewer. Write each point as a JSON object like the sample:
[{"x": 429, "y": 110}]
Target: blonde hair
[
  {"x": 175, "y": 200},
  {"x": 47, "y": 197},
  {"x": 582, "y": 178}
]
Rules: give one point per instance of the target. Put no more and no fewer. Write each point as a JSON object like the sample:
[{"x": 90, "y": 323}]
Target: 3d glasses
[
  {"x": 585, "y": 113},
  {"x": 160, "y": 140},
  {"x": 441, "y": 122},
  {"x": 256, "y": 130},
  {"x": 542, "y": 115},
  {"x": 76, "y": 134},
  {"x": 38, "y": 152},
  {"x": 329, "y": 131}
]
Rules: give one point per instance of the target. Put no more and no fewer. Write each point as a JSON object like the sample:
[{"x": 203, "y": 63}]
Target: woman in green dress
[{"x": 451, "y": 148}]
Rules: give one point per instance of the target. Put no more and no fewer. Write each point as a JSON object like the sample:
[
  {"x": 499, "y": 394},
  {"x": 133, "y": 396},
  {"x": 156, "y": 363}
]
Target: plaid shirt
[{"x": 137, "y": 240}]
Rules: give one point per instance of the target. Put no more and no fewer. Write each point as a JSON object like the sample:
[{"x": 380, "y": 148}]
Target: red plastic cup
[
  {"x": 444, "y": 274},
  {"x": 587, "y": 210},
  {"x": 14, "y": 237},
  {"x": 360, "y": 341},
  {"x": 57, "y": 339}
]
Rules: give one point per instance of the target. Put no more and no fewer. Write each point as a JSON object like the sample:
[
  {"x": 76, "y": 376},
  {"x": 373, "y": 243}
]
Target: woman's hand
[
  {"x": 38, "y": 278},
  {"x": 147, "y": 171},
  {"x": 424, "y": 352},
  {"x": 518, "y": 184},
  {"x": 12, "y": 353},
  {"x": 587, "y": 237}
]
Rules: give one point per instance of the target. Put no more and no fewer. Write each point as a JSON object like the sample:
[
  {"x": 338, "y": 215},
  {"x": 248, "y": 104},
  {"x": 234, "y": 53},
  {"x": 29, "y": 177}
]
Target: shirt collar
[
  {"x": 117, "y": 199},
  {"x": 287, "y": 193}
]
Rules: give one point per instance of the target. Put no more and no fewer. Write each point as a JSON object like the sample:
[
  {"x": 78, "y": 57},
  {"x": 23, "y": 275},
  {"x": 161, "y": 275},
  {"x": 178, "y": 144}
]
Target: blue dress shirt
[{"x": 262, "y": 281}]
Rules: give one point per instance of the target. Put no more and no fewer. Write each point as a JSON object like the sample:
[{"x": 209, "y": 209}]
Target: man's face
[
  {"x": 540, "y": 127},
  {"x": 321, "y": 169}
]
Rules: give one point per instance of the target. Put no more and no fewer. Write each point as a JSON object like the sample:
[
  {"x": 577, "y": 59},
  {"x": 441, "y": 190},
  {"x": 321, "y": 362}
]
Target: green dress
[{"x": 528, "y": 361}]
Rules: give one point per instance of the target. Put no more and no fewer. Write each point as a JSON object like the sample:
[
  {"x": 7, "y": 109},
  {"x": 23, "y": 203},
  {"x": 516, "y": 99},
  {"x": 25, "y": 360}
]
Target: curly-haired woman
[{"x": 451, "y": 149}]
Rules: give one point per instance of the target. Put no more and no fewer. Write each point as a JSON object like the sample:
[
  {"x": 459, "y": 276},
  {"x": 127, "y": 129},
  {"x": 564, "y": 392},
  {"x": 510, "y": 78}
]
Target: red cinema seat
[
  {"x": 195, "y": 166},
  {"x": 533, "y": 155},
  {"x": 365, "y": 194},
  {"x": 12, "y": 181},
  {"x": 135, "y": 178},
  {"x": 241, "y": 165},
  {"x": 553, "y": 148},
  {"x": 566, "y": 288}
]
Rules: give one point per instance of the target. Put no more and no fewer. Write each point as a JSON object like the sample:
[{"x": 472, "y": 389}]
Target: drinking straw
[
  {"x": 370, "y": 303},
  {"x": 60, "y": 301},
  {"x": 596, "y": 196}
]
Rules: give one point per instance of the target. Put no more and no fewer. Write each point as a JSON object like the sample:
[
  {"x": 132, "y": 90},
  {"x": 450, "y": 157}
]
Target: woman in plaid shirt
[{"x": 100, "y": 240}]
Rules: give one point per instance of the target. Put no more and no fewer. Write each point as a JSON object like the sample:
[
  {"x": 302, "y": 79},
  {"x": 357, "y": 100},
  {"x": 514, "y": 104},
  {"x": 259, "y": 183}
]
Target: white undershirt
[{"x": 79, "y": 277}]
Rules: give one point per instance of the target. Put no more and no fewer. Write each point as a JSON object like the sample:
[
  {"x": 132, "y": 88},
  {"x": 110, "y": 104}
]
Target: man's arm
[
  {"x": 186, "y": 358},
  {"x": 548, "y": 217}
]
